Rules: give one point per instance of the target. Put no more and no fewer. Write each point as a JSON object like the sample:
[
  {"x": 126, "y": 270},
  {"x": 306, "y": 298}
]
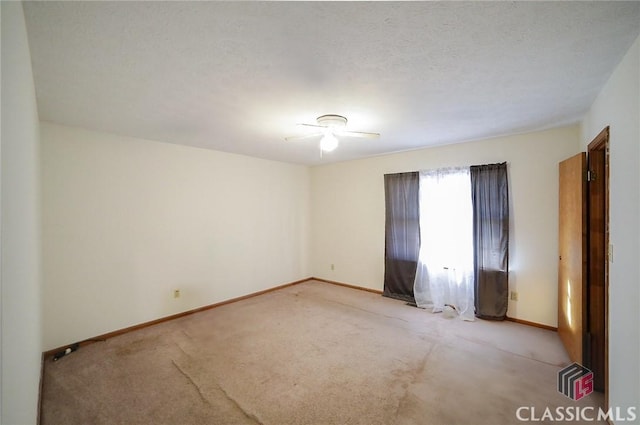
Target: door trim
[{"x": 601, "y": 142}]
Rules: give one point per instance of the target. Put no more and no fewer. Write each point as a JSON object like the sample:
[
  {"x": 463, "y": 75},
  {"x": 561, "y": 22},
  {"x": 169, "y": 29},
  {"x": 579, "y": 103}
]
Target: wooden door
[{"x": 572, "y": 264}]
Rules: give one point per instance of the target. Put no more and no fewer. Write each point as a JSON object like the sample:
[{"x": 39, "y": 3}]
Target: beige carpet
[{"x": 312, "y": 353}]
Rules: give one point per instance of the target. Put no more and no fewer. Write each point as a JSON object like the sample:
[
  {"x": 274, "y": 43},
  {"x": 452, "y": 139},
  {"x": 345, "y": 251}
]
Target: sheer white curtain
[{"x": 445, "y": 263}]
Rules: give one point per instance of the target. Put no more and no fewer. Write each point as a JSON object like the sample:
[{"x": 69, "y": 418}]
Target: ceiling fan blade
[
  {"x": 313, "y": 125},
  {"x": 358, "y": 134},
  {"x": 302, "y": 137}
]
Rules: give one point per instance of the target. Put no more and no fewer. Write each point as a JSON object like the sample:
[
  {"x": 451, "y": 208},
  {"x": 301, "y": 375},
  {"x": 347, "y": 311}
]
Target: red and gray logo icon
[{"x": 575, "y": 381}]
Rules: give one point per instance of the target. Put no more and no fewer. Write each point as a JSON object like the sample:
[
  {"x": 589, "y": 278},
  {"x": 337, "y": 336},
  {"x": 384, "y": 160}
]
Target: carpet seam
[
  {"x": 414, "y": 380},
  {"x": 484, "y": 344},
  {"x": 232, "y": 400},
  {"x": 192, "y": 382},
  {"x": 356, "y": 308},
  {"x": 226, "y": 394}
]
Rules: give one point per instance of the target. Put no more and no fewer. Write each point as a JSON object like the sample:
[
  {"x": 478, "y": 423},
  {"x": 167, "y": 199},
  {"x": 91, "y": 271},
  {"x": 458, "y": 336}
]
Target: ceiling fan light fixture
[
  {"x": 332, "y": 121},
  {"x": 329, "y": 142},
  {"x": 329, "y": 127}
]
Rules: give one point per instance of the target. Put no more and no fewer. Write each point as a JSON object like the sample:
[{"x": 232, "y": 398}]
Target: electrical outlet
[
  {"x": 176, "y": 293},
  {"x": 514, "y": 296}
]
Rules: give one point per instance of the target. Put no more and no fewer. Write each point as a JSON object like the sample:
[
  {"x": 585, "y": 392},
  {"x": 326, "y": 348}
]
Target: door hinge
[{"x": 591, "y": 176}]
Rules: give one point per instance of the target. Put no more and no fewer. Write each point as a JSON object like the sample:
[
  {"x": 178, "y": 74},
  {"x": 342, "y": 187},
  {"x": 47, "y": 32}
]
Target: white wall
[
  {"x": 348, "y": 213},
  {"x": 20, "y": 241},
  {"x": 127, "y": 221},
  {"x": 618, "y": 105}
]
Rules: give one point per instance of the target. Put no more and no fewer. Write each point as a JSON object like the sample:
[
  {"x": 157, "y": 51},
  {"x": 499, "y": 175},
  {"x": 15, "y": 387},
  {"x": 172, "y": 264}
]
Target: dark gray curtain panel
[
  {"x": 402, "y": 234},
  {"x": 490, "y": 197}
]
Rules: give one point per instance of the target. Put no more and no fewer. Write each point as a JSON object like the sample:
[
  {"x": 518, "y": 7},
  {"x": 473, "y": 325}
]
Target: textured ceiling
[{"x": 238, "y": 76}]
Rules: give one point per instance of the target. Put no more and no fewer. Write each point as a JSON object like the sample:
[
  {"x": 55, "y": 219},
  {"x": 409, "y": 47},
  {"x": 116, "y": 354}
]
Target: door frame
[{"x": 601, "y": 143}]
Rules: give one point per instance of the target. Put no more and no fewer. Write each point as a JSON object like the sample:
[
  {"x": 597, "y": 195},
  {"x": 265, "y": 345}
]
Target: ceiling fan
[{"x": 330, "y": 127}]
